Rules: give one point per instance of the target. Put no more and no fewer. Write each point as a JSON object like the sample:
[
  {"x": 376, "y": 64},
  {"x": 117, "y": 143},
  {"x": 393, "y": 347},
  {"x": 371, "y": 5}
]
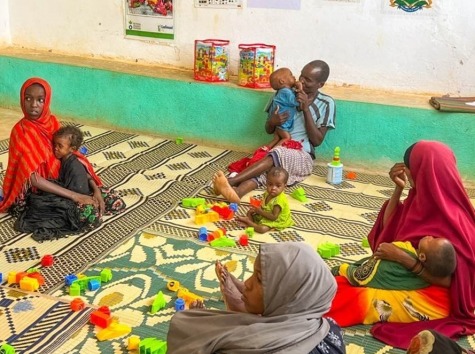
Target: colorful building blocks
[
  {"x": 114, "y": 330},
  {"x": 47, "y": 260},
  {"x": 106, "y": 275},
  {"x": 244, "y": 240},
  {"x": 7, "y": 349},
  {"x": 249, "y": 231},
  {"x": 327, "y": 250},
  {"x": 203, "y": 234},
  {"x": 158, "y": 303},
  {"x": 77, "y": 304},
  {"x": 173, "y": 285},
  {"x": 93, "y": 284},
  {"x": 223, "y": 211},
  {"x": 20, "y": 276},
  {"x": 101, "y": 318},
  {"x": 188, "y": 296},
  {"x": 299, "y": 194},
  {"x": 233, "y": 207},
  {"x": 29, "y": 284},
  {"x": 210, "y": 216},
  {"x": 223, "y": 242},
  {"x": 69, "y": 279},
  {"x": 192, "y": 202},
  {"x": 133, "y": 343},
  {"x": 37, "y": 276},
  {"x": 86, "y": 282},
  {"x": 11, "y": 279},
  {"x": 152, "y": 346}
]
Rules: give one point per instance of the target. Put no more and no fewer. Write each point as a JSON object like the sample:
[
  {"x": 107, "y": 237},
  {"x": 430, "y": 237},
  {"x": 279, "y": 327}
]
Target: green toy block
[
  {"x": 179, "y": 141},
  {"x": 327, "y": 250},
  {"x": 223, "y": 242},
  {"x": 192, "y": 202},
  {"x": 7, "y": 349},
  {"x": 75, "y": 290},
  {"x": 299, "y": 194},
  {"x": 152, "y": 346},
  {"x": 250, "y": 231},
  {"x": 365, "y": 242},
  {"x": 159, "y": 303},
  {"x": 106, "y": 275}
]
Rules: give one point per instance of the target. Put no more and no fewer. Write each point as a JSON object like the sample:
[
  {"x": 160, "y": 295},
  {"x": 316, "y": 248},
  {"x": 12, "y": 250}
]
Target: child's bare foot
[
  {"x": 222, "y": 186},
  {"x": 231, "y": 293},
  {"x": 243, "y": 220},
  {"x": 197, "y": 304}
]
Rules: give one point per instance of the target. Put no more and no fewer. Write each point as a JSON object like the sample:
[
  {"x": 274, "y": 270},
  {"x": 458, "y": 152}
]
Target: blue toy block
[
  {"x": 203, "y": 234},
  {"x": 93, "y": 284},
  {"x": 233, "y": 207},
  {"x": 69, "y": 279},
  {"x": 1, "y": 278},
  {"x": 179, "y": 304}
]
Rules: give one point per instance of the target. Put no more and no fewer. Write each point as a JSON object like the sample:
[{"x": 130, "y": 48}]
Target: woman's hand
[
  {"x": 97, "y": 196},
  {"x": 398, "y": 175},
  {"x": 84, "y": 199},
  {"x": 389, "y": 252}
]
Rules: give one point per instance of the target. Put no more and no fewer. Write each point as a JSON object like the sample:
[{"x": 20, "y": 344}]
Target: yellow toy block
[
  {"x": 29, "y": 284},
  {"x": 188, "y": 296},
  {"x": 11, "y": 278},
  {"x": 210, "y": 216},
  {"x": 173, "y": 285},
  {"x": 113, "y": 331},
  {"x": 133, "y": 343}
]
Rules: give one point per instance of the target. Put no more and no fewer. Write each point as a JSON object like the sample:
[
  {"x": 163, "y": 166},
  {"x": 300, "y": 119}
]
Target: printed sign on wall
[
  {"x": 411, "y": 5},
  {"x": 149, "y": 18}
]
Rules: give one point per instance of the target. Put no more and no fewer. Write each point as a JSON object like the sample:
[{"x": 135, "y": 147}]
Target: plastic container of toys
[{"x": 211, "y": 60}]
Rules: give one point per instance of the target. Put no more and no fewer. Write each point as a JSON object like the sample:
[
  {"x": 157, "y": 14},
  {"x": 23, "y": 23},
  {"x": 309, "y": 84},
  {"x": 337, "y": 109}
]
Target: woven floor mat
[{"x": 36, "y": 323}]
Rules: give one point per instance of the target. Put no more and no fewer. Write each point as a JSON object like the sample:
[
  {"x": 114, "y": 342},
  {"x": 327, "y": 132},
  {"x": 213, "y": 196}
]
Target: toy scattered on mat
[
  {"x": 351, "y": 175},
  {"x": 152, "y": 346},
  {"x": 158, "y": 303},
  {"x": 79, "y": 283},
  {"x": 250, "y": 231},
  {"x": 113, "y": 331},
  {"x": 192, "y": 202},
  {"x": 7, "y": 349},
  {"x": 327, "y": 250},
  {"x": 335, "y": 168},
  {"x": 31, "y": 280},
  {"x": 77, "y": 304},
  {"x": 365, "y": 242},
  {"x": 299, "y": 194}
]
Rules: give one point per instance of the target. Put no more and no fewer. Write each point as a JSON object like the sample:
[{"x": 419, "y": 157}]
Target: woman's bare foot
[
  {"x": 222, "y": 186},
  {"x": 231, "y": 292},
  {"x": 197, "y": 304}
]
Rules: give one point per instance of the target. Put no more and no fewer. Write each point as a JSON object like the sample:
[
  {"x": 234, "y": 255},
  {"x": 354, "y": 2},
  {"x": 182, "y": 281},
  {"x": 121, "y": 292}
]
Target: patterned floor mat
[{"x": 35, "y": 323}]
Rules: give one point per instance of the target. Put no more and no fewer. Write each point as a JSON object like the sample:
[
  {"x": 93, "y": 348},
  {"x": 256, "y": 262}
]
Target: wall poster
[{"x": 149, "y": 18}]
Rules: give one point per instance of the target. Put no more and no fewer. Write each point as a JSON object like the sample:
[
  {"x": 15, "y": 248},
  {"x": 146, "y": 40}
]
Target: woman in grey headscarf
[{"x": 284, "y": 299}]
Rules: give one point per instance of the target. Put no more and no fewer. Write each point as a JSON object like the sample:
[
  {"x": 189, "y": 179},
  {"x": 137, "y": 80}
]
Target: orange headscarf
[{"x": 31, "y": 148}]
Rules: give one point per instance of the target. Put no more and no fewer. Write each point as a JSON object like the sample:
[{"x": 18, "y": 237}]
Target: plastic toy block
[
  {"x": 223, "y": 242},
  {"x": 77, "y": 304},
  {"x": 152, "y": 346},
  {"x": 20, "y": 276},
  {"x": 179, "y": 305},
  {"x": 93, "y": 284},
  {"x": 179, "y": 141},
  {"x": 37, "y": 276},
  {"x": 106, "y": 275},
  {"x": 11, "y": 279},
  {"x": 7, "y": 349},
  {"x": 192, "y": 202},
  {"x": 84, "y": 281},
  {"x": 249, "y": 231},
  {"x": 188, "y": 296},
  {"x": 115, "y": 330},
  {"x": 244, "y": 240},
  {"x": 32, "y": 270},
  {"x": 203, "y": 234},
  {"x": 83, "y": 150},
  {"x": 351, "y": 175},
  {"x": 211, "y": 216},
  {"x": 299, "y": 194},
  {"x": 29, "y": 284},
  {"x": 74, "y": 290},
  {"x": 233, "y": 207},
  {"x": 173, "y": 285},
  {"x": 69, "y": 279},
  {"x": 225, "y": 212},
  {"x": 327, "y": 250},
  {"x": 158, "y": 303},
  {"x": 1, "y": 278},
  {"x": 255, "y": 202},
  {"x": 47, "y": 260},
  {"x": 365, "y": 242},
  {"x": 104, "y": 310},
  {"x": 217, "y": 234},
  {"x": 100, "y": 319},
  {"x": 133, "y": 343}
]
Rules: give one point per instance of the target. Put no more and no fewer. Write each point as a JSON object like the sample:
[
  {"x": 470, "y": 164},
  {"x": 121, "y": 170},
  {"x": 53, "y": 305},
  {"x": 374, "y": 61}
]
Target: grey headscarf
[{"x": 298, "y": 290}]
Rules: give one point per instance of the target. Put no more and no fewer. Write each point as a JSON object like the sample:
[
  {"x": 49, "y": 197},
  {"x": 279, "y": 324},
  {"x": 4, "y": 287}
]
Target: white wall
[
  {"x": 366, "y": 43},
  {"x": 4, "y": 23}
]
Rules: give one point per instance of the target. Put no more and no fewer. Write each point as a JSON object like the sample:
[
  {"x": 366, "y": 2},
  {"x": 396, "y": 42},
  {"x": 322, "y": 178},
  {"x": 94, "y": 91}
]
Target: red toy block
[
  {"x": 244, "y": 240},
  {"x": 47, "y": 260},
  {"x": 255, "y": 202},
  {"x": 105, "y": 310},
  {"x": 20, "y": 276},
  {"x": 77, "y": 304},
  {"x": 100, "y": 319}
]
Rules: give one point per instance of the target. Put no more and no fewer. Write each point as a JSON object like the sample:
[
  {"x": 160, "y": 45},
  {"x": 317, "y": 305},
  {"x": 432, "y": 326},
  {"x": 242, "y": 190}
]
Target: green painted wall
[{"x": 369, "y": 135}]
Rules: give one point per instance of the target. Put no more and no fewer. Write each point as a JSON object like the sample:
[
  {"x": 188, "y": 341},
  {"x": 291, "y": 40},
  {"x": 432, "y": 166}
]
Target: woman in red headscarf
[
  {"x": 31, "y": 161},
  {"x": 437, "y": 204}
]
